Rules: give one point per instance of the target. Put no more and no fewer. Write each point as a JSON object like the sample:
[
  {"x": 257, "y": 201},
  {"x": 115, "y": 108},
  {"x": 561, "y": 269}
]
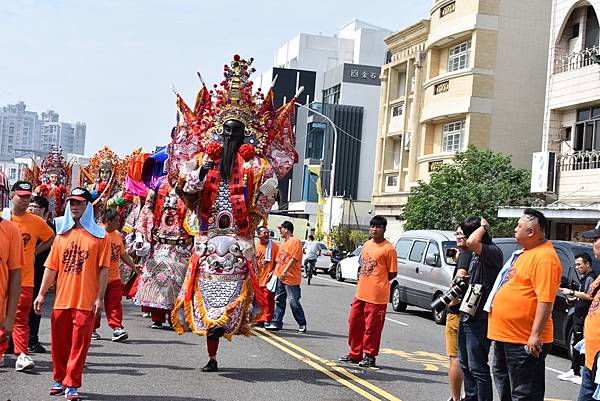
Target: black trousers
[
  {"x": 34, "y": 318},
  {"x": 519, "y": 376},
  {"x": 577, "y": 360}
]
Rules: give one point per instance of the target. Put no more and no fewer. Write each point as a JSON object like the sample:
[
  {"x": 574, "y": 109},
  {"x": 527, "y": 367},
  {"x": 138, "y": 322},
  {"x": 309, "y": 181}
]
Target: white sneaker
[
  {"x": 119, "y": 335},
  {"x": 96, "y": 335},
  {"x": 576, "y": 380},
  {"x": 567, "y": 376},
  {"x": 24, "y": 362}
]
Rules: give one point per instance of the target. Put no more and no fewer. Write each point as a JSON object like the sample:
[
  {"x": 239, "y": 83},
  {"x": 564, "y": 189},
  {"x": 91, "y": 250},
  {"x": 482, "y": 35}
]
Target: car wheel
[
  {"x": 439, "y": 317},
  {"x": 338, "y": 273},
  {"x": 570, "y": 341},
  {"x": 333, "y": 271},
  {"x": 397, "y": 304}
]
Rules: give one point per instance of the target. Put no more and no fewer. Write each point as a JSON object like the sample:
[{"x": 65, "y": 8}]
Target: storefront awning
[{"x": 558, "y": 212}]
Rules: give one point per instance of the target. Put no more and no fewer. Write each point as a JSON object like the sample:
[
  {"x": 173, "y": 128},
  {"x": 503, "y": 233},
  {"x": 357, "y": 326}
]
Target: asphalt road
[{"x": 158, "y": 365}]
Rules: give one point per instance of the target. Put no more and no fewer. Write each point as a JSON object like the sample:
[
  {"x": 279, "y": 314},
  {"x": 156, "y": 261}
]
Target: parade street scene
[{"x": 208, "y": 201}]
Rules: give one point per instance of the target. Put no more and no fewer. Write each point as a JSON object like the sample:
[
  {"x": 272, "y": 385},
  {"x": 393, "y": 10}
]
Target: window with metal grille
[
  {"x": 452, "y": 139},
  {"x": 397, "y": 110},
  {"x": 458, "y": 56}
]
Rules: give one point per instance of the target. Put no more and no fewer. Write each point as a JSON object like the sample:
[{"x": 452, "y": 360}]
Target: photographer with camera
[
  {"x": 455, "y": 374},
  {"x": 582, "y": 301},
  {"x": 473, "y": 344}
]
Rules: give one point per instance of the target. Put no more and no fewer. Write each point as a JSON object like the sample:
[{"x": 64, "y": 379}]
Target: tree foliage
[
  {"x": 346, "y": 239},
  {"x": 475, "y": 184}
]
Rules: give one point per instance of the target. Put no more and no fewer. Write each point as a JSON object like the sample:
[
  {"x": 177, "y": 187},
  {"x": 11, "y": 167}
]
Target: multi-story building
[
  {"x": 474, "y": 74},
  {"x": 19, "y": 129},
  {"x": 567, "y": 170},
  {"x": 346, "y": 91},
  {"x": 71, "y": 137}
]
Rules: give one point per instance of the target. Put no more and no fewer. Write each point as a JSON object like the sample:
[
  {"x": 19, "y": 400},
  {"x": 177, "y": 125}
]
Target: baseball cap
[
  {"x": 592, "y": 234},
  {"x": 80, "y": 194},
  {"x": 22, "y": 188},
  {"x": 287, "y": 225}
]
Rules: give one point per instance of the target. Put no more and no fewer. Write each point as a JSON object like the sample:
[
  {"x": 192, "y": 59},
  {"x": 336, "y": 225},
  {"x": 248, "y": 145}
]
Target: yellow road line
[
  {"x": 318, "y": 367},
  {"x": 337, "y": 368}
]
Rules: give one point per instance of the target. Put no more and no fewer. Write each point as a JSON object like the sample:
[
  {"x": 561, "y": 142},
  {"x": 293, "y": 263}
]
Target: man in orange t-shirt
[
  {"x": 520, "y": 306},
  {"x": 591, "y": 327},
  {"x": 111, "y": 220},
  {"x": 266, "y": 254},
  {"x": 11, "y": 261},
  {"x": 367, "y": 314},
  {"x": 33, "y": 229},
  {"x": 289, "y": 276},
  {"x": 79, "y": 260}
]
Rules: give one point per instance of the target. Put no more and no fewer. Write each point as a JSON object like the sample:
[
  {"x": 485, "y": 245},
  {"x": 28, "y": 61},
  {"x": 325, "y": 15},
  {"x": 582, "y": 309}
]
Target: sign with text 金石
[{"x": 362, "y": 74}]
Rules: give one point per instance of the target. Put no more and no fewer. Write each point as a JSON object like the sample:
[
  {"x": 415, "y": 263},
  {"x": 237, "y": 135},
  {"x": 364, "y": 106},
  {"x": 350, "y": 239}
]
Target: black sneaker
[
  {"x": 346, "y": 358},
  {"x": 367, "y": 362},
  {"x": 37, "y": 348},
  {"x": 211, "y": 366},
  {"x": 156, "y": 325}
]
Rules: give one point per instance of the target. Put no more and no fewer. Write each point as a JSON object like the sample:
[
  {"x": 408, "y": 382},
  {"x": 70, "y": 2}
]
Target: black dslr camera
[{"x": 457, "y": 290}]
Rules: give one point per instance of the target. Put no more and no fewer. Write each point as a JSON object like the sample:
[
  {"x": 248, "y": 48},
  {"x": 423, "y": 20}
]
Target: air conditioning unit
[{"x": 543, "y": 172}]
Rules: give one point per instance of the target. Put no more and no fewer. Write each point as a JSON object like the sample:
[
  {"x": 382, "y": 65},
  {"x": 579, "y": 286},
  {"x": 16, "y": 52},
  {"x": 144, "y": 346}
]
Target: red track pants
[
  {"x": 112, "y": 305},
  {"x": 71, "y": 333},
  {"x": 365, "y": 325},
  {"x": 268, "y": 313},
  {"x": 20, "y": 334}
]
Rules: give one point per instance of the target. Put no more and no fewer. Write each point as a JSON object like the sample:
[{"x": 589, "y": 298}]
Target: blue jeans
[
  {"x": 587, "y": 385},
  {"x": 282, "y": 292},
  {"x": 518, "y": 375},
  {"x": 473, "y": 350}
]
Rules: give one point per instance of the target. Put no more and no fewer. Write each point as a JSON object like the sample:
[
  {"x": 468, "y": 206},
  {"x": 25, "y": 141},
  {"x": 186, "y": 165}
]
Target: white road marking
[
  {"x": 354, "y": 285},
  {"x": 554, "y": 370},
  {"x": 335, "y": 281},
  {"x": 396, "y": 321}
]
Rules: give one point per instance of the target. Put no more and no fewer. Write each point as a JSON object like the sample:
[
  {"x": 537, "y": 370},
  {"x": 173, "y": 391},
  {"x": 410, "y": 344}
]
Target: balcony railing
[
  {"x": 586, "y": 160},
  {"x": 577, "y": 60}
]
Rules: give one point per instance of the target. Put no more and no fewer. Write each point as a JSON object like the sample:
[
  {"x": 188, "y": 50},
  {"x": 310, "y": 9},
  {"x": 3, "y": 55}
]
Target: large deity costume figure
[
  {"x": 244, "y": 146},
  {"x": 54, "y": 177},
  {"x": 168, "y": 248},
  {"x": 104, "y": 177}
]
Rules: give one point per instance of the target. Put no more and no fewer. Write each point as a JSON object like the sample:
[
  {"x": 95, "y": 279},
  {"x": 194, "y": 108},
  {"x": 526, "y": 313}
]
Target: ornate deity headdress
[
  {"x": 268, "y": 131},
  {"x": 104, "y": 158},
  {"x": 53, "y": 164}
]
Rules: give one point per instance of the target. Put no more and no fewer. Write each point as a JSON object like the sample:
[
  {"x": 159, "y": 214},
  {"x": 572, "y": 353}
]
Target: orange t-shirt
[
  {"x": 265, "y": 269},
  {"x": 11, "y": 258},
  {"x": 78, "y": 257},
  {"x": 534, "y": 277},
  {"x": 116, "y": 250},
  {"x": 291, "y": 248},
  {"x": 33, "y": 228},
  {"x": 376, "y": 261},
  {"x": 592, "y": 323}
]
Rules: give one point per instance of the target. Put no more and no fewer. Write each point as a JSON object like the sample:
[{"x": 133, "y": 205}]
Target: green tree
[
  {"x": 475, "y": 184},
  {"x": 347, "y": 239}
]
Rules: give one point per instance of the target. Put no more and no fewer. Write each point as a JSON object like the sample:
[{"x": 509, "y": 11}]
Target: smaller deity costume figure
[
  {"x": 104, "y": 177},
  {"x": 54, "y": 177},
  {"x": 169, "y": 247},
  {"x": 244, "y": 146}
]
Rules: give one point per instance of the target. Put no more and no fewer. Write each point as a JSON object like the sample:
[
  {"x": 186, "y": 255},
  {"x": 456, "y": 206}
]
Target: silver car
[{"x": 424, "y": 271}]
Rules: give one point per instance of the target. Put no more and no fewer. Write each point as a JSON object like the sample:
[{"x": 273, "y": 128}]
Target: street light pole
[{"x": 332, "y": 175}]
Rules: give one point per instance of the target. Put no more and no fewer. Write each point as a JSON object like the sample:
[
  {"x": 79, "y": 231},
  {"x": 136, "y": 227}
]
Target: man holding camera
[
  {"x": 520, "y": 312},
  {"x": 473, "y": 344},
  {"x": 582, "y": 300}
]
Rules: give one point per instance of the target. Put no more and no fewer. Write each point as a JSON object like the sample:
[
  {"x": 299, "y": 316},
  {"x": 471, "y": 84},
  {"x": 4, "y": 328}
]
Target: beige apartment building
[
  {"x": 473, "y": 74},
  {"x": 567, "y": 170}
]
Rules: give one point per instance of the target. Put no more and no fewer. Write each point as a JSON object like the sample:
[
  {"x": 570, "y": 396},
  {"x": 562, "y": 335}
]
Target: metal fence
[
  {"x": 577, "y": 60},
  {"x": 585, "y": 160}
]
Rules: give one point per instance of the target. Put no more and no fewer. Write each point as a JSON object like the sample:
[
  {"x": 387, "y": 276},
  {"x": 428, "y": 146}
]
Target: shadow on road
[
  {"x": 310, "y": 333},
  {"x": 113, "y": 397},
  {"x": 270, "y": 375},
  {"x": 166, "y": 342}
]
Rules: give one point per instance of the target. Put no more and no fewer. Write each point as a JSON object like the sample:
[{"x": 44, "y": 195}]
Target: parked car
[
  {"x": 347, "y": 269},
  {"x": 562, "y": 312},
  {"x": 424, "y": 271},
  {"x": 324, "y": 259}
]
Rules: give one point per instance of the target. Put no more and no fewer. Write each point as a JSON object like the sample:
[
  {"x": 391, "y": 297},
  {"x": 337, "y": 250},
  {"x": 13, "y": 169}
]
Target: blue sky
[{"x": 109, "y": 63}]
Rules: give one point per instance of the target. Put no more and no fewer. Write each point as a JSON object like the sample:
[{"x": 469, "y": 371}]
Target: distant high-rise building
[
  {"x": 23, "y": 132},
  {"x": 18, "y": 130}
]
